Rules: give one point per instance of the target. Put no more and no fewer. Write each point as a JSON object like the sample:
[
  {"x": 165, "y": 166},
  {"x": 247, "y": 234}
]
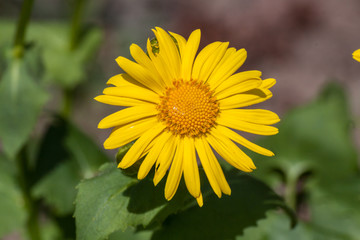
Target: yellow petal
[
  {"x": 356, "y": 55},
  {"x": 268, "y": 83},
  {"x": 201, "y": 58},
  {"x": 254, "y": 128},
  {"x": 140, "y": 74},
  {"x": 140, "y": 145},
  {"x": 227, "y": 155},
  {"x": 165, "y": 159},
  {"x": 169, "y": 51},
  {"x": 153, "y": 154},
  {"x": 227, "y": 66},
  {"x": 188, "y": 56},
  {"x": 161, "y": 66},
  {"x": 191, "y": 171},
  {"x": 245, "y": 99},
  {"x": 200, "y": 200},
  {"x": 244, "y": 142},
  {"x": 127, "y": 133},
  {"x": 239, "y": 88},
  {"x": 205, "y": 162},
  {"x": 118, "y": 101},
  {"x": 181, "y": 42},
  {"x": 124, "y": 80},
  {"x": 229, "y": 151},
  {"x": 258, "y": 116},
  {"x": 239, "y": 78},
  {"x": 215, "y": 166},
  {"x": 140, "y": 57},
  {"x": 176, "y": 169},
  {"x": 128, "y": 115},
  {"x": 133, "y": 92},
  {"x": 211, "y": 62}
]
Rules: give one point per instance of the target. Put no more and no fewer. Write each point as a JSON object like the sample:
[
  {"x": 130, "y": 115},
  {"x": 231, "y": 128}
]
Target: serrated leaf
[
  {"x": 113, "y": 201},
  {"x": 223, "y": 218},
  {"x": 131, "y": 234},
  {"x": 276, "y": 227},
  {"x": 100, "y": 204},
  {"x": 21, "y": 100},
  {"x": 13, "y": 213}
]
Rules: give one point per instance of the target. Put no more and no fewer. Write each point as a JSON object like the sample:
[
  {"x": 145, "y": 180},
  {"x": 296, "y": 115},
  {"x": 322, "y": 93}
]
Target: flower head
[
  {"x": 181, "y": 107},
  {"x": 356, "y": 55}
]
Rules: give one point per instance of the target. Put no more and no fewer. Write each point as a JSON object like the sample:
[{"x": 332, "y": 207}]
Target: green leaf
[
  {"x": 276, "y": 227},
  {"x": 113, "y": 201},
  {"x": 316, "y": 136},
  {"x": 66, "y": 156},
  {"x": 316, "y": 139},
  {"x": 13, "y": 213},
  {"x": 84, "y": 151},
  {"x": 131, "y": 234},
  {"x": 335, "y": 215},
  {"x": 21, "y": 100},
  {"x": 58, "y": 187},
  {"x": 64, "y": 66},
  {"x": 223, "y": 218},
  {"x": 100, "y": 204}
]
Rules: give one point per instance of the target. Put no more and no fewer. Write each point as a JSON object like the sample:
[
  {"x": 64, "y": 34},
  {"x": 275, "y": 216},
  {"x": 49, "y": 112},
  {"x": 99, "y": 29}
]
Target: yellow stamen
[{"x": 189, "y": 108}]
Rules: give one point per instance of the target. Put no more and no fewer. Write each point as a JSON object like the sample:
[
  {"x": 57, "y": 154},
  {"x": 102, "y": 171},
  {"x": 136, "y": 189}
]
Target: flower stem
[
  {"x": 32, "y": 223},
  {"x": 21, "y": 28},
  {"x": 76, "y": 23}
]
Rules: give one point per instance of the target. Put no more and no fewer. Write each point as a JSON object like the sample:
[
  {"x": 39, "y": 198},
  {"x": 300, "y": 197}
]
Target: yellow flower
[
  {"x": 356, "y": 55},
  {"x": 181, "y": 107}
]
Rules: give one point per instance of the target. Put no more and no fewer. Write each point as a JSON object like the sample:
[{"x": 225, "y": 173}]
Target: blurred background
[
  {"x": 301, "y": 43},
  {"x": 305, "y": 45}
]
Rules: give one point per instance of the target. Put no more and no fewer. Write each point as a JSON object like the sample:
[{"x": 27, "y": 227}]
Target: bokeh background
[{"x": 303, "y": 44}]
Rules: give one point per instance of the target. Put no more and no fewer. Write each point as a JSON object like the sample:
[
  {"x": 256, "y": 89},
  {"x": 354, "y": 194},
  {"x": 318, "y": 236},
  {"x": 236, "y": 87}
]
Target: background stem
[
  {"x": 76, "y": 23},
  {"x": 32, "y": 223},
  {"x": 21, "y": 28}
]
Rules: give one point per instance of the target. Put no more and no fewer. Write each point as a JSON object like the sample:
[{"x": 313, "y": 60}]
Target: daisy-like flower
[
  {"x": 181, "y": 107},
  {"x": 356, "y": 55}
]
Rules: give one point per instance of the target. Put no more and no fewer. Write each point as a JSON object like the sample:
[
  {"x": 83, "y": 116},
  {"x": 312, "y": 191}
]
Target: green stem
[
  {"x": 76, "y": 23},
  {"x": 21, "y": 28},
  {"x": 67, "y": 103},
  {"x": 32, "y": 223},
  {"x": 290, "y": 192}
]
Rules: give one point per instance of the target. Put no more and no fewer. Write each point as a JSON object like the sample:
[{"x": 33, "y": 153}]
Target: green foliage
[
  {"x": 64, "y": 66},
  {"x": 11, "y": 203},
  {"x": 275, "y": 227},
  {"x": 223, "y": 218},
  {"x": 316, "y": 164},
  {"x": 57, "y": 188},
  {"x": 119, "y": 202},
  {"x": 21, "y": 100},
  {"x": 72, "y": 157}
]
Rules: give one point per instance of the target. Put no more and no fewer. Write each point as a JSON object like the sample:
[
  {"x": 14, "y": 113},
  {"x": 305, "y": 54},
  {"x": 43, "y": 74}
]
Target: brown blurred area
[{"x": 301, "y": 43}]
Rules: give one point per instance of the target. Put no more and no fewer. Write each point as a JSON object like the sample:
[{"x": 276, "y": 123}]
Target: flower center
[{"x": 189, "y": 108}]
